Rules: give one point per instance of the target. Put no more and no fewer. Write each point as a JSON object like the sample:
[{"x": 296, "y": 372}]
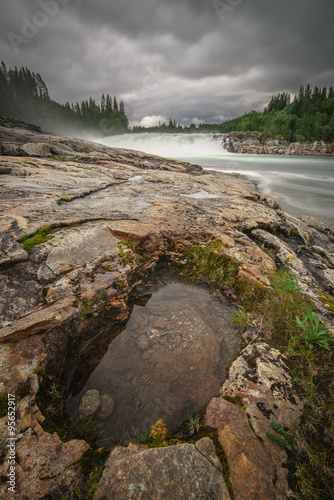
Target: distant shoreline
[{"x": 257, "y": 143}]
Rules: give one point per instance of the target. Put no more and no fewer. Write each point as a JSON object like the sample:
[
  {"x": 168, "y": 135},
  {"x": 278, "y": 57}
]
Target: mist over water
[
  {"x": 300, "y": 184},
  {"x": 169, "y": 145}
]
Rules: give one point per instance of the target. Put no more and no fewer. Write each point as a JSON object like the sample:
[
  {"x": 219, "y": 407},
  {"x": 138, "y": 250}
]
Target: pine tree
[
  {"x": 103, "y": 103},
  {"x": 108, "y": 104}
]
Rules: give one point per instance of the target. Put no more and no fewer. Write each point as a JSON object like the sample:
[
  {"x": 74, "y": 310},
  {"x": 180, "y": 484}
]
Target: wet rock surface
[{"x": 89, "y": 199}]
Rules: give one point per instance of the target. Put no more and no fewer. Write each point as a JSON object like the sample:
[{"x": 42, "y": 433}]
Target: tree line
[
  {"x": 308, "y": 117},
  {"x": 25, "y": 96}
]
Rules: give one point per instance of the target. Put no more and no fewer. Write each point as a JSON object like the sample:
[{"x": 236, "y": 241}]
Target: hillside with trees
[
  {"x": 309, "y": 117},
  {"x": 24, "y": 95}
]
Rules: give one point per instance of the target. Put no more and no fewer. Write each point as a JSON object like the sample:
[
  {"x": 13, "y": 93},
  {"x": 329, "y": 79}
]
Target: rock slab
[{"x": 171, "y": 473}]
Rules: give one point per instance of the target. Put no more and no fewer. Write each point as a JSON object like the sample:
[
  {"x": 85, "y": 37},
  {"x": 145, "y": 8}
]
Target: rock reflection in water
[{"x": 167, "y": 362}]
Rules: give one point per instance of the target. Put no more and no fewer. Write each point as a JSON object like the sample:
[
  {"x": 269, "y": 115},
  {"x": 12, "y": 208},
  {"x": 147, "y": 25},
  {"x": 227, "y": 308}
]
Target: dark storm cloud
[{"x": 183, "y": 59}]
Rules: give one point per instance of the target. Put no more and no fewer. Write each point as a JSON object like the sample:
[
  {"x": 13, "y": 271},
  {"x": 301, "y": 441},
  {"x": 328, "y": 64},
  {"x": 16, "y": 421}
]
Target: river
[{"x": 300, "y": 184}]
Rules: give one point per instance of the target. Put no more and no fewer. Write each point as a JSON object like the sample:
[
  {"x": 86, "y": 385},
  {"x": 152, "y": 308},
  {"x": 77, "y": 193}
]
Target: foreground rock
[
  {"x": 260, "y": 384},
  {"x": 182, "y": 471},
  {"x": 61, "y": 288},
  {"x": 257, "y": 143}
]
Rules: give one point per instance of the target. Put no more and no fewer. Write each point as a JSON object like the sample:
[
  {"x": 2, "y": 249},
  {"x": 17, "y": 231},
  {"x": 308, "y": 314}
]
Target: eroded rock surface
[{"x": 90, "y": 199}]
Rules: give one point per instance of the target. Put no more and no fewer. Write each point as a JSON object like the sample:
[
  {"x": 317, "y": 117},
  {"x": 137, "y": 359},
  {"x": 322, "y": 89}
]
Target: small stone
[
  {"x": 106, "y": 408},
  {"x": 159, "y": 323},
  {"x": 89, "y": 403},
  {"x": 146, "y": 355},
  {"x": 142, "y": 343}
]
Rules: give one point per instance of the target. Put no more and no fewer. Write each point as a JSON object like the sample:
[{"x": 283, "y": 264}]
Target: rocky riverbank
[
  {"x": 256, "y": 143},
  {"x": 82, "y": 226}
]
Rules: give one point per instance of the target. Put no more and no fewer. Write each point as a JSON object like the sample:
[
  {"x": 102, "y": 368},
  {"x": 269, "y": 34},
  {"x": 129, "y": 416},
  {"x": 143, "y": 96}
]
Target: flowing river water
[{"x": 300, "y": 184}]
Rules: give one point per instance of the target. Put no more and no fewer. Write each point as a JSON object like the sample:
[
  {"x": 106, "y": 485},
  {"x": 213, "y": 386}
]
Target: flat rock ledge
[{"x": 88, "y": 201}]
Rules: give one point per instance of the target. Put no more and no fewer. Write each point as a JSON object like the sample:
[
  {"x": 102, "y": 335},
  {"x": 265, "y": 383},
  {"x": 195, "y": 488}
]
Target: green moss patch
[
  {"x": 236, "y": 400},
  {"x": 40, "y": 371},
  {"x": 328, "y": 300},
  {"x": 62, "y": 157},
  {"x": 42, "y": 235}
]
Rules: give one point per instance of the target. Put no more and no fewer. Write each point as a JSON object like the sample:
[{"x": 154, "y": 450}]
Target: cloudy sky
[{"x": 192, "y": 60}]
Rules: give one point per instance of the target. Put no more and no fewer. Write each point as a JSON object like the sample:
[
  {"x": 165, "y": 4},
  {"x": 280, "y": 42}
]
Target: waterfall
[{"x": 169, "y": 145}]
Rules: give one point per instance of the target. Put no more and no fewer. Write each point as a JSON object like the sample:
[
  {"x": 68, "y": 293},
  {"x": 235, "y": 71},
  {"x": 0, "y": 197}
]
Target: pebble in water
[{"x": 143, "y": 343}]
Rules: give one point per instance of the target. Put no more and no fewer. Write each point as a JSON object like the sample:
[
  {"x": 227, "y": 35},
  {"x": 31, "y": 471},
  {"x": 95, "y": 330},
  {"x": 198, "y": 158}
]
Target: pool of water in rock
[{"x": 165, "y": 363}]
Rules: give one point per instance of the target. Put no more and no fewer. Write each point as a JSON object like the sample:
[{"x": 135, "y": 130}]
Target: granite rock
[{"x": 183, "y": 471}]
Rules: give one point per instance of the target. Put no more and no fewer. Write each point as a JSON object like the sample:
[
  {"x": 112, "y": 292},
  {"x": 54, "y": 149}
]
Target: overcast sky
[{"x": 192, "y": 60}]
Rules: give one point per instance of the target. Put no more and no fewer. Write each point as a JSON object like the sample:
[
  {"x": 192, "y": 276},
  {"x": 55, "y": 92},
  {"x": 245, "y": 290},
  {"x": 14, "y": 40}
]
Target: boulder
[
  {"x": 259, "y": 391},
  {"x": 252, "y": 472},
  {"x": 36, "y": 149},
  {"x": 38, "y": 476},
  {"x": 184, "y": 471},
  {"x": 61, "y": 149},
  {"x": 314, "y": 223}
]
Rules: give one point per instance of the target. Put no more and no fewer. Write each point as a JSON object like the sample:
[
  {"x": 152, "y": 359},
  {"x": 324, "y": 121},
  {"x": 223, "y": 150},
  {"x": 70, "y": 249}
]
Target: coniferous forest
[
  {"x": 309, "y": 117},
  {"x": 24, "y": 95}
]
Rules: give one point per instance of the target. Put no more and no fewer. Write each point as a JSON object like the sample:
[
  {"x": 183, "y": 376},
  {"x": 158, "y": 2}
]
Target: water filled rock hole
[{"x": 165, "y": 363}]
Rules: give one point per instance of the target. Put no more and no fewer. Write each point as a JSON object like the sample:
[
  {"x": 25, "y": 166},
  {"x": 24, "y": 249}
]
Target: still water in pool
[{"x": 165, "y": 363}]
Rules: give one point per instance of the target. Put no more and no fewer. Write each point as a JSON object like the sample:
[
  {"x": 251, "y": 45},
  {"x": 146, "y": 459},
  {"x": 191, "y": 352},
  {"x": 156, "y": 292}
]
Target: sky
[{"x": 195, "y": 61}]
